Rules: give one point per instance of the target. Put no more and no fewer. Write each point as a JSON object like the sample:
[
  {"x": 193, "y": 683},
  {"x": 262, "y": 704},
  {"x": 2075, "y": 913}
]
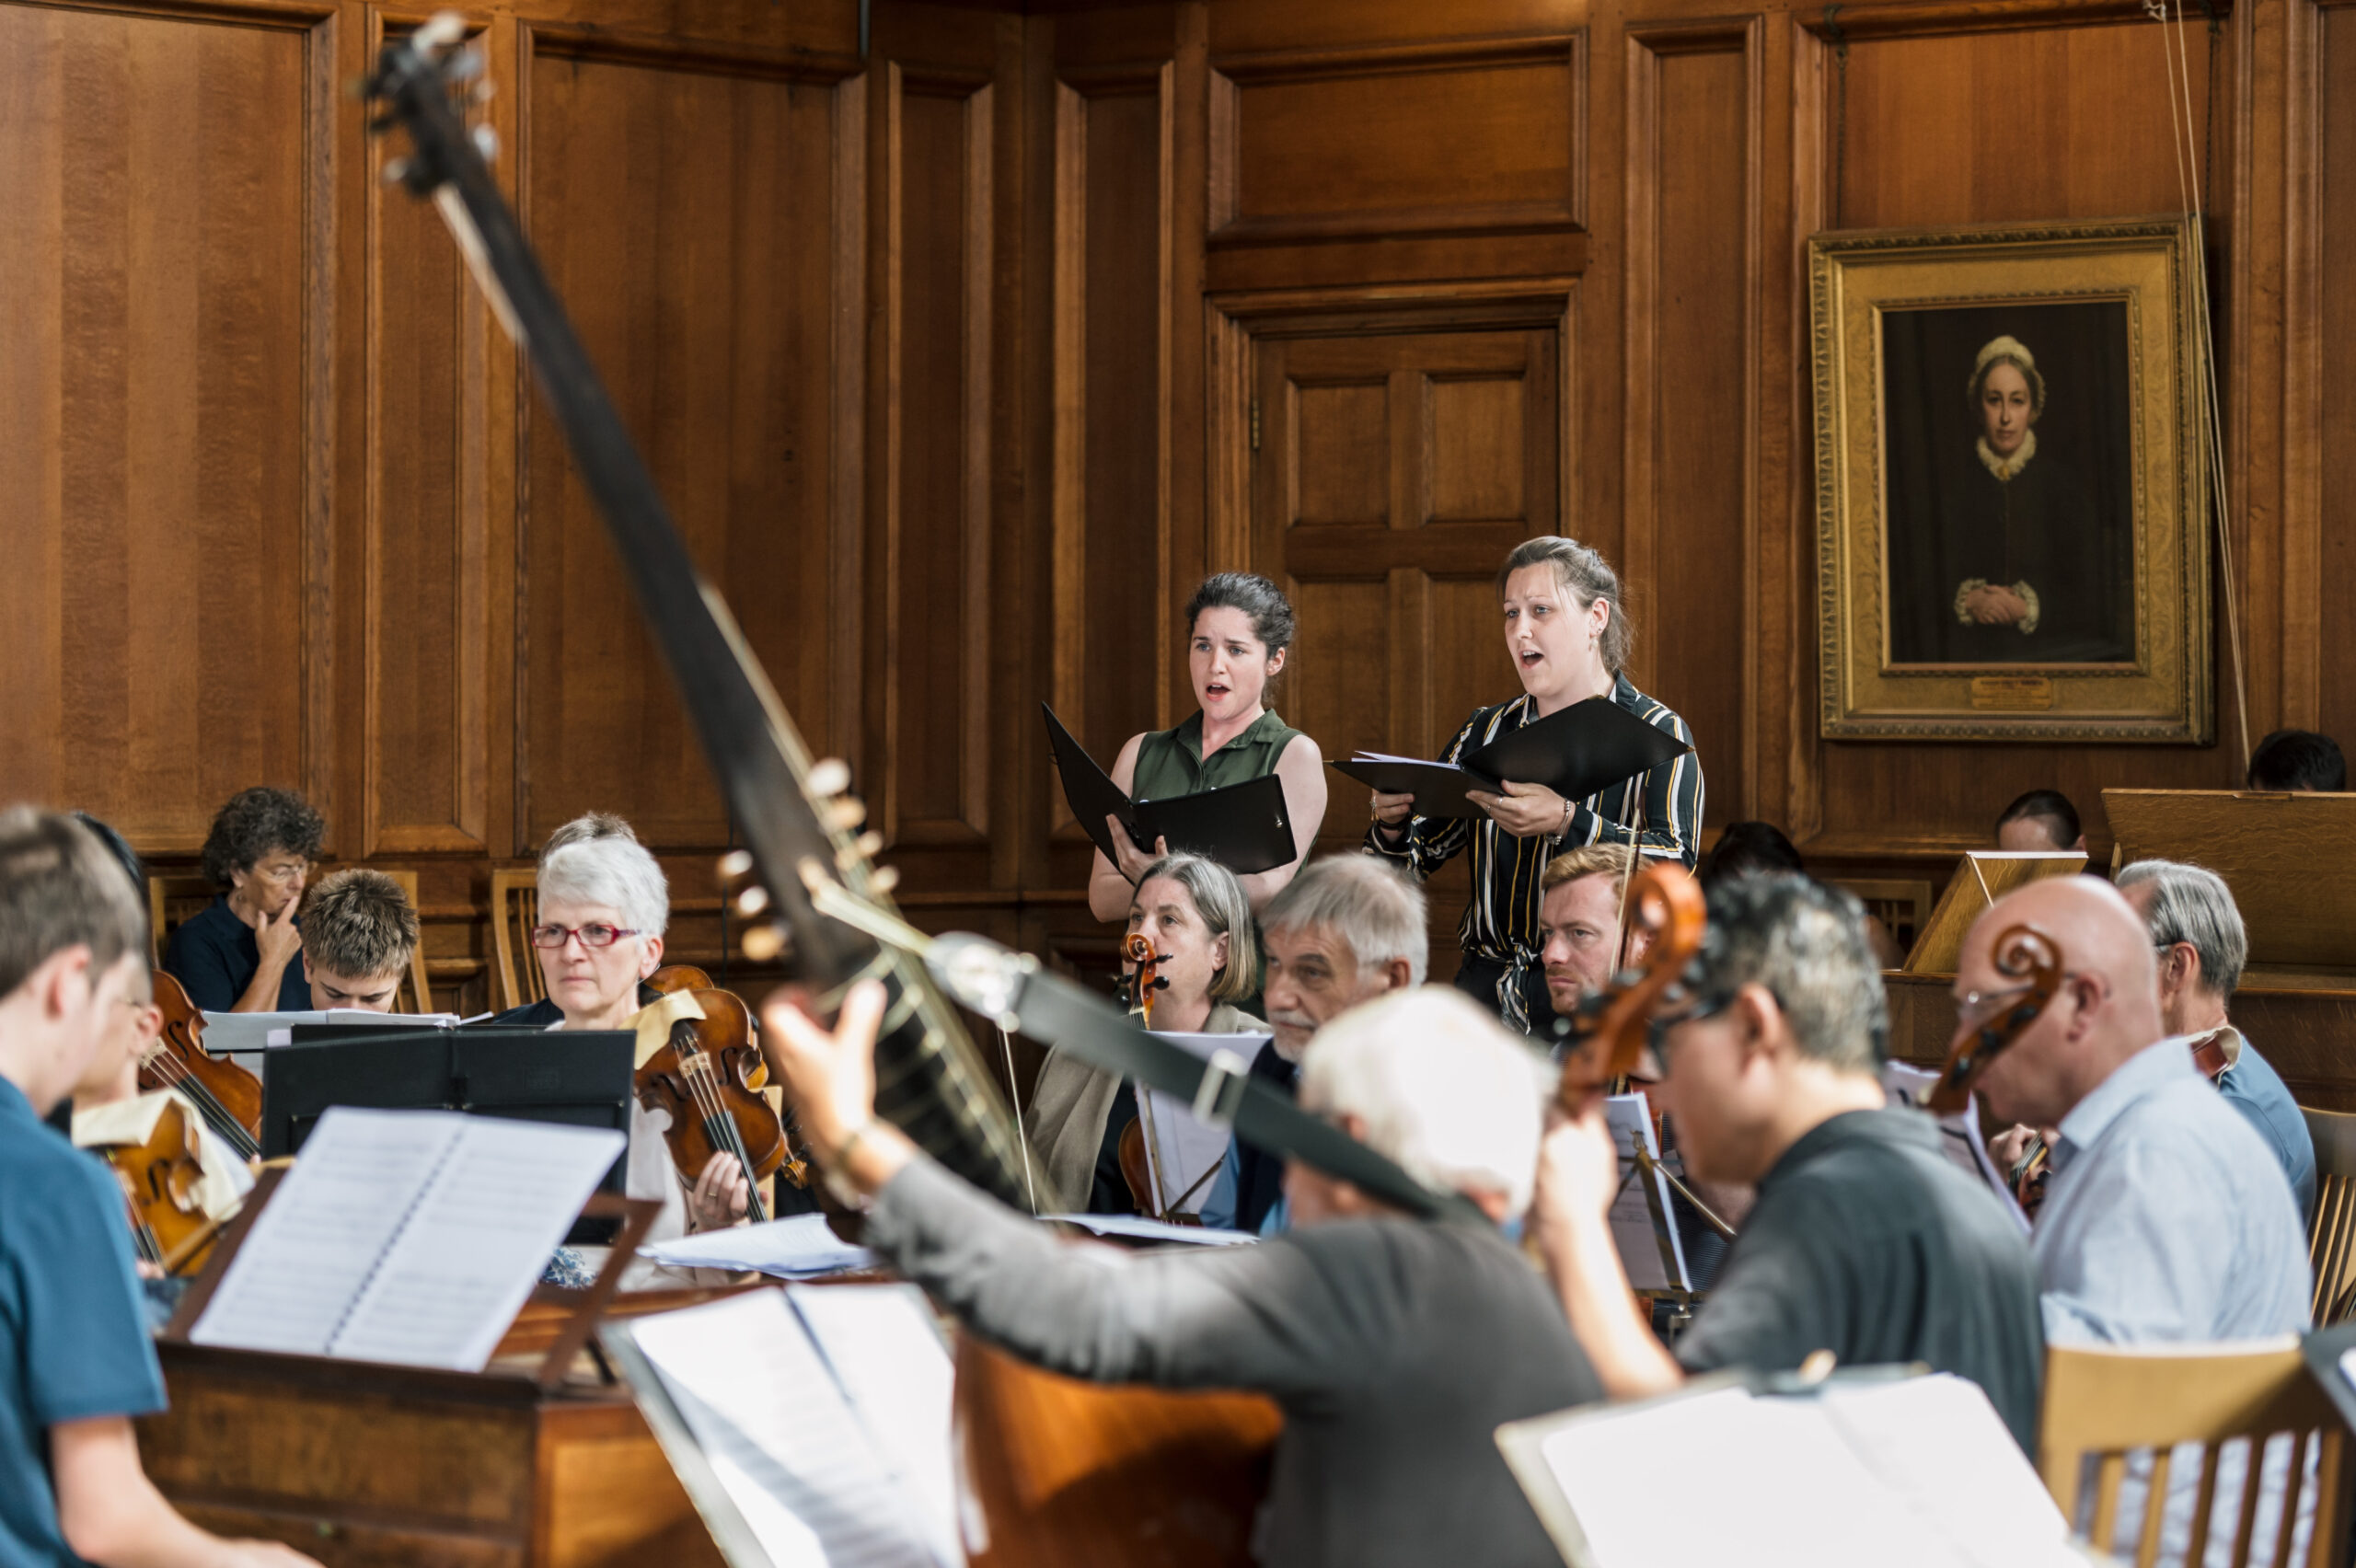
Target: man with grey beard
[{"x": 1344, "y": 931}]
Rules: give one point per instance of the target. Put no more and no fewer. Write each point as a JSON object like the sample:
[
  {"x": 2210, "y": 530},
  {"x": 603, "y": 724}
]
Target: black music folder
[
  {"x": 1244, "y": 827},
  {"x": 1588, "y": 746}
]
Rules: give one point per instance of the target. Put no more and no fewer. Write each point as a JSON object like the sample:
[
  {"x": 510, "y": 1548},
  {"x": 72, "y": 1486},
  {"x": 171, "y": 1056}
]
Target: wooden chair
[
  {"x": 172, "y": 899},
  {"x": 2331, "y": 1234},
  {"x": 1902, "y": 905},
  {"x": 515, "y": 910},
  {"x": 2104, "y": 1404}
]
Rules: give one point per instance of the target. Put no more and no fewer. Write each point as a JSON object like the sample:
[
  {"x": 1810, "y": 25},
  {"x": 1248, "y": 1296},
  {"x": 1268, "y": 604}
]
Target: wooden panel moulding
[
  {"x": 164, "y": 398},
  {"x": 933, "y": 768},
  {"x": 1690, "y": 409},
  {"x": 684, "y": 216},
  {"x": 1114, "y": 225},
  {"x": 1480, "y": 136}
]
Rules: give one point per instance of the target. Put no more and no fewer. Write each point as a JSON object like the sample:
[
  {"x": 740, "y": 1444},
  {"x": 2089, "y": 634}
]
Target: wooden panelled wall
[{"x": 962, "y": 361}]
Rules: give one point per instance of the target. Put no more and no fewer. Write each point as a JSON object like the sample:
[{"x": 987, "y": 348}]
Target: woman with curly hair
[{"x": 239, "y": 954}]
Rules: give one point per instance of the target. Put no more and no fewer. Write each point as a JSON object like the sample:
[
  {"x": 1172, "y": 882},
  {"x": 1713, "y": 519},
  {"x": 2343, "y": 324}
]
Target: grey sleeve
[{"x": 1258, "y": 1316}]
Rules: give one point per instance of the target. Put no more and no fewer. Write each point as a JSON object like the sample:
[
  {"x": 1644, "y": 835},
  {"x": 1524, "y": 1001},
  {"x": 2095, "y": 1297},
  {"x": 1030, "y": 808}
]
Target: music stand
[{"x": 574, "y": 1079}]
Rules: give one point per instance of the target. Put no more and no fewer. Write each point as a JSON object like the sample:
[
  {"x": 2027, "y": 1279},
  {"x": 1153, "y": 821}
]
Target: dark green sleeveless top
[{"x": 1171, "y": 762}]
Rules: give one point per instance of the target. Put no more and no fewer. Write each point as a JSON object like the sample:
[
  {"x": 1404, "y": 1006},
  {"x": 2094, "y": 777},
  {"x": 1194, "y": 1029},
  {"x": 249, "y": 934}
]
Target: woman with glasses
[
  {"x": 603, "y": 907},
  {"x": 239, "y": 954}
]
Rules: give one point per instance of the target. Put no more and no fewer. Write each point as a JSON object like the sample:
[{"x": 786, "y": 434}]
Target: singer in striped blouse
[{"x": 1569, "y": 639}]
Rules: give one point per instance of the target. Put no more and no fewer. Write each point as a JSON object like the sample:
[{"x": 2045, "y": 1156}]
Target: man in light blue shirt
[
  {"x": 2167, "y": 1219},
  {"x": 2198, "y": 934}
]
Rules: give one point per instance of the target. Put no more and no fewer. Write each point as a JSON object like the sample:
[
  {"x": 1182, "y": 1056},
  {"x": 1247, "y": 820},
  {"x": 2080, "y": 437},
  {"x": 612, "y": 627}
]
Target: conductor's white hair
[
  {"x": 612, "y": 869},
  {"x": 1361, "y": 899},
  {"x": 1443, "y": 1090}
]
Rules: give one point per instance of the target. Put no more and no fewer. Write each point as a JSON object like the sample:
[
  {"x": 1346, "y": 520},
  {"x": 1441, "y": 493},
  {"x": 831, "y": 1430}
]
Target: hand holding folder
[
  {"x": 1244, "y": 827},
  {"x": 1585, "y": 748}
]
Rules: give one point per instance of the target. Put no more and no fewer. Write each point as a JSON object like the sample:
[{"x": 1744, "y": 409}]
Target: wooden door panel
[
  {"x": 1394, "y": 471},
  {"x": 154, "y": 501}
]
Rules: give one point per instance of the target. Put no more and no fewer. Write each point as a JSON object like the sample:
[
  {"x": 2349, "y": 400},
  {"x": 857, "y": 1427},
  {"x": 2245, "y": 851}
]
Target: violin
[
  {"x": 1609, "y": 1031},
  {"x": 674, "y": 977},
  {"x": 1137, "y": 988},
  {"x": 2024, "y": 953},
  {"x": 225, "y": 1094},
  {"x": 708, "y": 1077},
  {"x": 161, "y": 1179}
]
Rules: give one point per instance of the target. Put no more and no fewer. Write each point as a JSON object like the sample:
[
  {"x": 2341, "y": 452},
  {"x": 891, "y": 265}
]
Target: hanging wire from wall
[
  {"x": 2192, "y": 175},
  {"x": 1839, "y": 43}
]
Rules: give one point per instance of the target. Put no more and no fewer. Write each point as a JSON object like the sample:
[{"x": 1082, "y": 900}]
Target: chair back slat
[
  {"x": 2331, "y": 1236},
  {"x": 515, "y": 910},
  {"x": 2105, "y": 1404}
]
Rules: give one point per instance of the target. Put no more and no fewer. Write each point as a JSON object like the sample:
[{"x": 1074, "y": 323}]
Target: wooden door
[{"x": 1390, "y": 476}]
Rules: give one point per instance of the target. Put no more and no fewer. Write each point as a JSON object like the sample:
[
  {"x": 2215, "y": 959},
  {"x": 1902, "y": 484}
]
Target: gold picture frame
[{"x": 1974, "y": 584}]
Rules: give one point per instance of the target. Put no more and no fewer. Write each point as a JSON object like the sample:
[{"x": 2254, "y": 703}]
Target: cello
[
  {"x": 2021, "y": 952},
  {"x": 225, "y": 1094},
  {"x": 162, "y": 1180}
]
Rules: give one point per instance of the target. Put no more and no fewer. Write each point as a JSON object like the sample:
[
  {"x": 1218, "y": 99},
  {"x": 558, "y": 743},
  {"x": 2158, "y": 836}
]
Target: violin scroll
[
  {"x": 1138, "y": 990},
  {"x": 2024, "y": 953},
  {"x": 1609, "y": 1033}
]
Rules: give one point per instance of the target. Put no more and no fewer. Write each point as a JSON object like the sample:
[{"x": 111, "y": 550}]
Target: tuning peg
[
  {"x": 830, "y": 776},
  {"x": 487, "y": 143},
  {"x": 847, "y": 812},
  {"x": 866, "y": 847},
  {"x": 753, "y": 900},
  {"x": 394, "y": 172},
  {"x": 882, "y": 879},
  {"x": 870, "y": 844},
  {"x": 735, "y": 865},
  {"x": 763, "y": 943}
]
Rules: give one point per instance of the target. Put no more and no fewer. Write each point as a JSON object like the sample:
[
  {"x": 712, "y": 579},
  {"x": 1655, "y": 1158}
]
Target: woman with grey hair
[
  {"x": 1195, "y": 912},
  {"x": 603, "y": 905}
]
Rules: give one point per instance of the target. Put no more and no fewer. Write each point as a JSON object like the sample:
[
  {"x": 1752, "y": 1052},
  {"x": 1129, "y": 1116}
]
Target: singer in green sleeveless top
[{"x": 1239, "y": 634}]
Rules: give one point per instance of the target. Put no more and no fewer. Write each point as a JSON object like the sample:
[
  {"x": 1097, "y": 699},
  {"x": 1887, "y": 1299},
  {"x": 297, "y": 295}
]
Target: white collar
[{"x": 2005, "y": 467}]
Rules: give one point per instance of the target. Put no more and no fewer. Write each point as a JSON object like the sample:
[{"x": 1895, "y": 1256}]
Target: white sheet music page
[
  {"x": 481, "y": 1235},
  {"x": 781, "y": 1435},
  {"x": 1939, "y": 1444},
  {"x": 1707, "y": 1480},
  {"x": 1181, "y": 1152},
  {"x": 1655, "y": 1259},
  {"x": 326, "y": 1226},
  {"x": 888, "y": 1358}
]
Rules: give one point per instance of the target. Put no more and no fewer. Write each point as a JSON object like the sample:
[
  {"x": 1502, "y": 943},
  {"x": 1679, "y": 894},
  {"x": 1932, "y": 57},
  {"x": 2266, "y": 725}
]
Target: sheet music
[
  {"x": 1651, "y": 1251},
  {"x": 1782, "y": 1490},
  {"x": 406, "y": 1235},
  {"x": 781, "y": 1435},
  {"x": 1137, "y": 1228},
  {"x": 880, "y": 1342},
  {"x": 327, "y": 1224},
  {"x": 481, "y": 1234},
  {"x": 1181, "y": 1153},
  {"x": 794, "y": 1247},
  {"x": 1939, "y": 1444},
  {"x": 1958, "y": 1135}
]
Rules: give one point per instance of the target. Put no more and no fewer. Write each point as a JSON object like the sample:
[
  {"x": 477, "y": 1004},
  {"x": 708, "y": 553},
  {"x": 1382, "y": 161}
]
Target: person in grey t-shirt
[
  {"x": 1394, "y": 1346},
  {"x": 1866, "y": 1241}
]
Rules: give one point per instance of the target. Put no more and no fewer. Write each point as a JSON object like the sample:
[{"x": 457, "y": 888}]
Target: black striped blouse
[{"x": 1660, "y": 812}]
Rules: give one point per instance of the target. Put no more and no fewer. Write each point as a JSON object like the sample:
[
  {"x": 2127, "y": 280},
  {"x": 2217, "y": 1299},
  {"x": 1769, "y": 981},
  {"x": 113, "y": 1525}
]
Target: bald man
[{"x": 2168, "y": 1217}]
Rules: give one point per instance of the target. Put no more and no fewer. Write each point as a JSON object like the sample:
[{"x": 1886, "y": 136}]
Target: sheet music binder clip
[{"x": 573, "y": 1335}]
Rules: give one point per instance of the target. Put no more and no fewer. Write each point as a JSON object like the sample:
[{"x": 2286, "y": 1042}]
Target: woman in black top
[
  {"x": 240, "y": 954},
  {"x": 1568, "y": 636}
]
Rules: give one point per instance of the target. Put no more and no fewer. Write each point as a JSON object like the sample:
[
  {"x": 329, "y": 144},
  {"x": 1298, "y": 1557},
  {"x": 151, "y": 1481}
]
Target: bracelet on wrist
[{"x": 840, "y": 1154}]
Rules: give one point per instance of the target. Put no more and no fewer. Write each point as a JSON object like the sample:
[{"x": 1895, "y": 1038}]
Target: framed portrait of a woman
[{"x": 2011, "y": 484}]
